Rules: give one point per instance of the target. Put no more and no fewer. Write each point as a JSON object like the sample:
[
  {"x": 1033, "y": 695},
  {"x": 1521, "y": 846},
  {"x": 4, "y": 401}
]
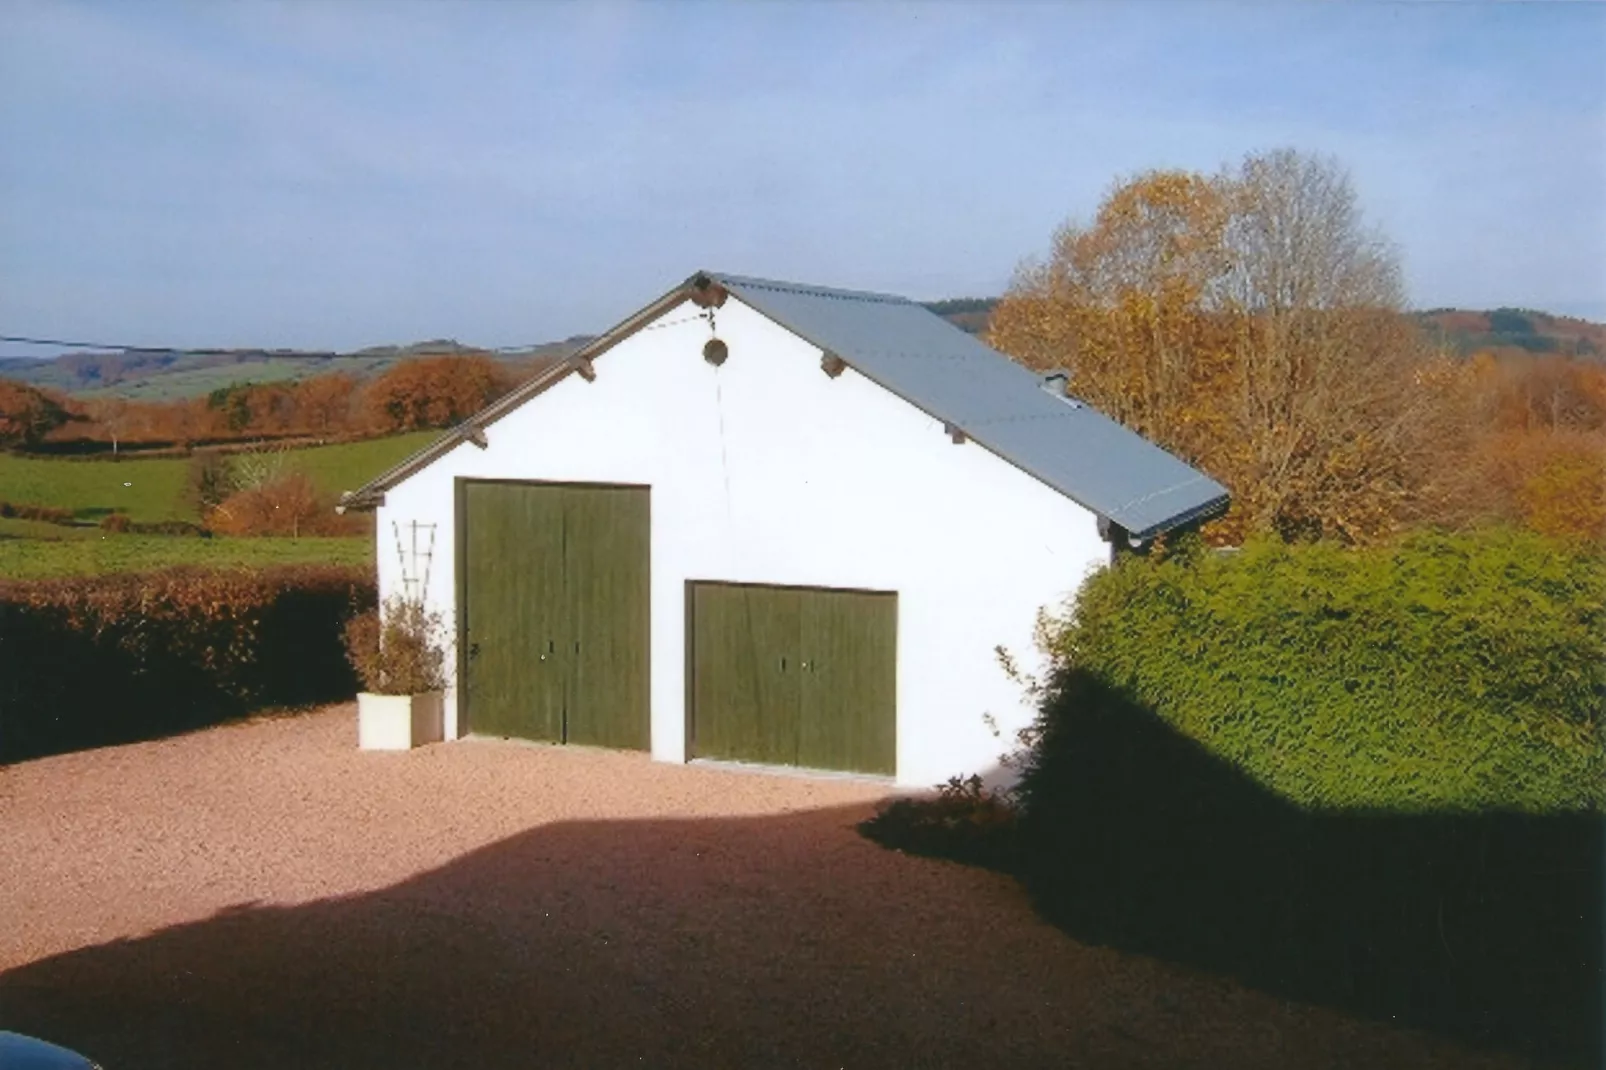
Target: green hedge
[
  {"x": 1442, "y": 673},
  {"x": 108, "y": 659},
  {"x": 1369, "y": 778}
]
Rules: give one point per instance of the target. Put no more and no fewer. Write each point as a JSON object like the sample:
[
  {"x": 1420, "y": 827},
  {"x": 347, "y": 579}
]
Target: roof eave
[
  {"x": 372, "y": 494},
  {"x": 1197, "y": 515}
]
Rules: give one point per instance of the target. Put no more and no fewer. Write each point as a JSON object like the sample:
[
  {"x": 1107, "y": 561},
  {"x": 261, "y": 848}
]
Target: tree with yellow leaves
[{"x": 1248, "y": 321}]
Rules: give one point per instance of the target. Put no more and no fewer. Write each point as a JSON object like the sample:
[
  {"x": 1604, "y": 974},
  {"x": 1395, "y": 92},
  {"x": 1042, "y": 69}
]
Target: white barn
[{"x": 769, "y": 523}]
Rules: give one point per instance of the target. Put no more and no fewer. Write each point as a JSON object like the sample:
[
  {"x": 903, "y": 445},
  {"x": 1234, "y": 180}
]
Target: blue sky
[{"x": 357, "y": 173}]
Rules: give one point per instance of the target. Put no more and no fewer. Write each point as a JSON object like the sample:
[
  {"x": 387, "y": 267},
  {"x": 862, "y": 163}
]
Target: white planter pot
[{"x": 399, "y": 722}]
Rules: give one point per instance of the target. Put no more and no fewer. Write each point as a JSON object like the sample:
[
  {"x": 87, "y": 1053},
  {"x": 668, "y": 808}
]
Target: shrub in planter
[{"x": 399, "y": 653}]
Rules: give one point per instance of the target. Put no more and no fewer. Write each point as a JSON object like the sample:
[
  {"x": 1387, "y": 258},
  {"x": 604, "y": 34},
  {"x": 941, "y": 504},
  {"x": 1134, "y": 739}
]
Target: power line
[{"x": 297, "y": 354}]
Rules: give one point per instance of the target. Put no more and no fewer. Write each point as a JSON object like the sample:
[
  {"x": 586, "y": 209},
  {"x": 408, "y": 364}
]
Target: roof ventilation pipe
[{"x": 1056, "y": 382}]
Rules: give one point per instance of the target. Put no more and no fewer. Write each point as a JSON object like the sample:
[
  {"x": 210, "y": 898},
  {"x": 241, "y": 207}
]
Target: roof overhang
[{"x": 700, "y": 288}]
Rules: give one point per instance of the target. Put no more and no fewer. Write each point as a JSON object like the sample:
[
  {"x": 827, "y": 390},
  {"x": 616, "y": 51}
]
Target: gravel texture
[{"x": 265, "y": 895}]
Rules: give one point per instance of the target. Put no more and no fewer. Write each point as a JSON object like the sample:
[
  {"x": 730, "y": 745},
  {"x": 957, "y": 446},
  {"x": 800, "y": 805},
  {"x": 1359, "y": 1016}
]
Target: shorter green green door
[
  {"x": 793, "y": 676},
  {"x": 849, "y": 657}
]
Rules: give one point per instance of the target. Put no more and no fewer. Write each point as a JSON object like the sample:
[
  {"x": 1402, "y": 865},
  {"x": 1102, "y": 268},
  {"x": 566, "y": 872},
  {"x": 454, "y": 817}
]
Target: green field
[
  {"x": 29, "y": 559},
  {"x": 194, "y": 382},
  {"x": 152, "y": 490}
]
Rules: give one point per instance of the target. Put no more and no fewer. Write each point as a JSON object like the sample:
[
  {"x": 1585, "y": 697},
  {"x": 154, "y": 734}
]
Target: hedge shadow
[{"x": 1483, "y": 926}]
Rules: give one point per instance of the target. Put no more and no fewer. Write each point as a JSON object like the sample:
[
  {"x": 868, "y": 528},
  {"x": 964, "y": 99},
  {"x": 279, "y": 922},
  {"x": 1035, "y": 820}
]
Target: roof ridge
[{"x": 807, "y": 288}]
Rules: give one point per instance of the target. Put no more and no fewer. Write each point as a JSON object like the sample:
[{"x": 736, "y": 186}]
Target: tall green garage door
[
  {"x": 793, "y": 676},
  {"x": 553, "y": 597}
]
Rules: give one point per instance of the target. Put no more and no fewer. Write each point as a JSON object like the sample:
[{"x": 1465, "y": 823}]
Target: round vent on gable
[{"x": 715, "y": 351}]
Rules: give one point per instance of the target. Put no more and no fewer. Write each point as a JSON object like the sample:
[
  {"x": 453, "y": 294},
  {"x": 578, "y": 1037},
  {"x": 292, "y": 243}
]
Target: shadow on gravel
[
  {"x": 1484, "y": 927},
  {"x": 756, "y": 942},
  {"x": 772, "y": 941}
]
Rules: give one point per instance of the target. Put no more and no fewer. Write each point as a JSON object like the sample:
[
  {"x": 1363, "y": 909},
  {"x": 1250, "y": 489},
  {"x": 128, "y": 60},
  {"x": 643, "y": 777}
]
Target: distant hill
[
  {"x": 1505, "y": 331},
  {"x": 969, "y": 314},
  {"x": 1514, "y": 330},
  {"x": 164, "y": 376}
]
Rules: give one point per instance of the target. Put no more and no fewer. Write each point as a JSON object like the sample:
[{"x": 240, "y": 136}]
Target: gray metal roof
[
  {"x": 998, "y": 404},
  {"x": 948, "y": 374}
]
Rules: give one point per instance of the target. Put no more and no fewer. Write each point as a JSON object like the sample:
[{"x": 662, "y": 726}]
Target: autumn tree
[
  {"x": 286, "y": 505},
  {"x": 434, "y": 392},
  {"x": 324, "y": 402},
  {"x": 28, "y": 414},
  {"x": 1521, "y": 442},
  {"x": 208, "y": 481},
  {"x": 1250, "y": 322}
]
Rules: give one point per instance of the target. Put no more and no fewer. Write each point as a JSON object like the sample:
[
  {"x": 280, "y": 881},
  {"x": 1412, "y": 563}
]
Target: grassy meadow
[
  {"x": 33, "y": 559},
  {"x": 152, "y": 490}
]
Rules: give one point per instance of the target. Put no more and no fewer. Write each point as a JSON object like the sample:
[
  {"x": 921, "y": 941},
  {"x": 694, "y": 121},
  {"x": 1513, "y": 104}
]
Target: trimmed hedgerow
[
  {"x": 121, "y": 524},
  {"x": 105, "y": 659},
  {"x": 28, "y": 511},
  {"x": 1367, "y": 777},
  {"x": 1456, "y": 672}
]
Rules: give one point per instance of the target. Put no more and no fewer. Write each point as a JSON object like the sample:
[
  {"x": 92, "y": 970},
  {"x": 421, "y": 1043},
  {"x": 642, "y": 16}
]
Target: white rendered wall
[{"x": 768, "y": 471}]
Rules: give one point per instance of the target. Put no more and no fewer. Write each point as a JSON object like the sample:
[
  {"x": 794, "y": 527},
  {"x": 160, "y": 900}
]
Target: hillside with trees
[
  {"x": 411, "y": 395},
  {"x": 161, "y": 375}
]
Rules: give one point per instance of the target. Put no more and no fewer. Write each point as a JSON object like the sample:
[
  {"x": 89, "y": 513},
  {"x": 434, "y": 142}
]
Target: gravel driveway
[{"x": 264, "y": 895}]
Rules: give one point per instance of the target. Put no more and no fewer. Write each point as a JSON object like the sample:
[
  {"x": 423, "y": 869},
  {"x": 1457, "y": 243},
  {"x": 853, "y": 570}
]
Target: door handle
[{"x": 548, "y": 650}]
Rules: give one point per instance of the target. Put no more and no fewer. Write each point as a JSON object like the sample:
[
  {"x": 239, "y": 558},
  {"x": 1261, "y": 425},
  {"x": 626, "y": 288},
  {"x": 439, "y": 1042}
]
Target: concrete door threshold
[
  {"x": 790, "y": 771},
  {"x": 551, "y": 744}
]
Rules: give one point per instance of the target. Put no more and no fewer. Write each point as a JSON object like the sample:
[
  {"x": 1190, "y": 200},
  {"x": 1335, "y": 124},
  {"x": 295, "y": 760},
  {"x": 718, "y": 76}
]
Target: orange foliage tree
[
  {"x": 1565, "y": 496},
  {"x": 1249, "y": 322},
  {"x": 289, "y": 505},
  {"x": 1521, "y": 441},
  {"x": 434, "y": 392},
  {"x": 27, "y": 414},
  {"x": 428, "y": 392},
  {"x": 325, "y": 402}
]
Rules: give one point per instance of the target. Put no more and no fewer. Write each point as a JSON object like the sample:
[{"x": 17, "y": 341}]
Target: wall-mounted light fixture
[
  {"x": 715, "y": 351},
  {"x": 832, "y": 364}
]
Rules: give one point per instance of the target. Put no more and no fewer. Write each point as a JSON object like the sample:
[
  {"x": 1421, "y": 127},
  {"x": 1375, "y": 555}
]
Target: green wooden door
[
  {"x": 606, "y": 554},
  {"x": 515, "y": 671},
  {"x": 746, "y": 675},
  {"x": 793, "y": 676},
  {"x": 848, "y": 647},
  {"x": 555, "y": 608}
]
